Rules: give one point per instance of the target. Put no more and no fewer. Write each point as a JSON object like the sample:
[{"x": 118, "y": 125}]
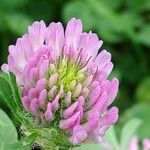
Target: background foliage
[{"x": 123, "y": 25}]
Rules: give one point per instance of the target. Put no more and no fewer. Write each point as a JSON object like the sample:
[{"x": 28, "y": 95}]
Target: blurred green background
[{"x": 123, "y": 25}]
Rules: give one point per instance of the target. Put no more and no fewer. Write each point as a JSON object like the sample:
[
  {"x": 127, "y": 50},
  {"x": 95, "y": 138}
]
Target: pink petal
[
  {"x": 113, "y": 90},
  {"x": 67, "y": 123},
  {"x": 67, "y": 98},
  {"x": 31, "y": 64},
  {"x": 102, "y": 59},
  {"x": 94, "y": 84},
  {"x": 134, "y": 144},
  {"x": 87, "y": 81},
  {"x": 25, "y": 46},
  {"x": 85, "y": 92},
  {"x": 25, "y": 90},
  {"x": 77, "y": 90},
  {"x": 146, "y": 144},
  {"x": 80, "y": 109},
  {"x": 95, "y": 93},
  {"x": 34, "y": 108},
  {"x": 32, "y": 93},
  {"x": 107, "y": 69},
  {"x": 18, "y": 57},
  {"x": 43, "y": 52},
  {"x": 41, "y": 84},
  {"x": 48, "y": 114},
  {"x": 90, "y": 44},
  {"x": 34, "y": 74},
  {"x": 52, "y": 93},
  {"x": 5, "y": 68},
  {"x": 42, "y": 98},
  {"x": 79, "y": 135},
  {"x": 55, "y": 104},
  {"x": 55, "y": 37},
  {"x": 81, "y": 101},
  {"x": 43, "y": 68},
  {"x": 110, "y": 117},
  {"x": 101, "y": 104},
  {"x": 53, "y": 79},
  {"x": 26, "y": 103},
  {"x": 70, "y": 110},
  {"x": 78, "y": 120},
  {"x": 72, "y": 53},
  {"x": 104, "y": 85},
  {"x": 92, "y": 123},
  {"x": 37, "y": 34},
  {"x": 73, "y": 32},
  {"x": 102, "y": 130}
]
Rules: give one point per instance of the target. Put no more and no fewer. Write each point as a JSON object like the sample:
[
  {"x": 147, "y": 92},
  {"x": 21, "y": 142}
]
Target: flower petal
[
  {"x": 37, "y": 34},
  {"x": 102, "y": 59},
  {"x": 70, "y": 110},
  {"x": 113, "y": 90},
  {"x": 26, "y": 103},
  {"x": 42, "y": 98},
  {"x": 48, "y": 113},
  {"x": 110, "y": 117},
  {"x": 79, "y": 135},
  {"x": 67, "y": 123},
  {"x": 73, "y": 32},
  {"x": 34, "y": 108},
  {"x": 134, "y": 144},
  {"x": 95, "y": 93},
  {"x": 55, "y": 104},
  {"x": 90, "y": 44},
  {"x": 55, "y": 37},
  {"x": 146, "y": 144},
  {"x": 92, "y": 123}
]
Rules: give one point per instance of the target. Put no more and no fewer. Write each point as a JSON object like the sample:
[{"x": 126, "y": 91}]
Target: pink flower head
[
  {"x": 61, "y": 71},
  {"x": 134, "y": 144},
  {"x": 146, "y": 144}
]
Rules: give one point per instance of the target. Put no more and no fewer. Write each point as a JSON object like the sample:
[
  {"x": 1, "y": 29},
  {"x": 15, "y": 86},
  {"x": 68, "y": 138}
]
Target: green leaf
[
  {"x": 6, "y": 91},
  {"x": 8, "y": 133},
  {"x": 23, "y": 144},
  {"x": 14, "y": 146},
  {"x": 128, "y": 132},
  {"x": 10, "y": 94},
  {"x": 15, "y": 90},
  {"x": 110, "y": 136}
]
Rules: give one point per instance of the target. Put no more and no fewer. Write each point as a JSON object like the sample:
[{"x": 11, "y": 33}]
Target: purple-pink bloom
[
  {"x": 60, "y": 70},
  {"x": 134, "y": 144},
  {"x": 146, "y": 144}
]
